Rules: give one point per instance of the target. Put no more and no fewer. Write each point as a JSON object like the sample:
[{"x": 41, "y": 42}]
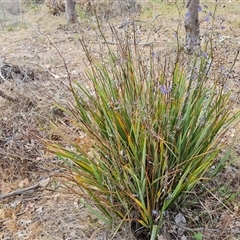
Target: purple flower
[
  {"x": 187, "y": 15},
  {"x": 207, "y": 19},
  {"x": 154, "y": 53},
  {"x": 199, "y": 8},
  {"x": 154, "y": 212},
  {"x": 203, "y": 54},
  {"x": 165, "y": 90},
  {"x": 210, "y": 14}
]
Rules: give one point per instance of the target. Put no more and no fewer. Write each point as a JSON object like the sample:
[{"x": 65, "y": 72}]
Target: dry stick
[
  {"x": 42, "y": 183},
  {"x": 59, "y": 53},
  {"x": 61, "y": 56},
  {"x": 52, "y": 74},
  {"x": 195, "y": 229},
  {"x": 203, "y": 229},
  {"x": 224, "y": 205},
  {"x": 5, "y": 96},
  {"x": 4, "y": 153},
  {"x": 20, "y": 191},
  {"x": 131, "y": 43}
]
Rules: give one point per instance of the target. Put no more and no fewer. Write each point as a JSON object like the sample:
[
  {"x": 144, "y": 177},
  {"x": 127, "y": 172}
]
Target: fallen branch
[
  {"x": 5, "y": 96},
  {"x": 42, "y": 183}
]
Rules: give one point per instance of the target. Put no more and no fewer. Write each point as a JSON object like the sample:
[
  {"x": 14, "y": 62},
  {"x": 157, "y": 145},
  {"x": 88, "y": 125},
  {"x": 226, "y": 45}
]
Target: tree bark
[
  {"x": 126, "y": 5},
  {"x": 70, "y": 11},
  {"x": 192, "y": 26}
]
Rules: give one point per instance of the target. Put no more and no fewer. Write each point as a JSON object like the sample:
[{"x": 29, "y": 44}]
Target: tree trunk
[
  {"x": 70, "y": 11},
  {"x": 127, "y": 5},
  {"x": 192, "y": 26}
]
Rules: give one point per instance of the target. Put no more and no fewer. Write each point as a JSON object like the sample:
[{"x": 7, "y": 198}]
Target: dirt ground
[{"x": 44, "y": 49}]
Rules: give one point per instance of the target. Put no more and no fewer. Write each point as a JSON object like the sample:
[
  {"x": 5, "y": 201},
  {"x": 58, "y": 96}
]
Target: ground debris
[{"x": 16, "y": 73}]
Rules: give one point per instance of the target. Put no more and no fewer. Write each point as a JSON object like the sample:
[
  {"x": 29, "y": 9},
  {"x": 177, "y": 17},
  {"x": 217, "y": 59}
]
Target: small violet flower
[
  {"x": 154, "y": 212},
  {"x": 207, "y": 19},
  {"x": 165, "y": 90},
  {"x": 199, "y": 8},
  {"x": 205, "y": 55}
]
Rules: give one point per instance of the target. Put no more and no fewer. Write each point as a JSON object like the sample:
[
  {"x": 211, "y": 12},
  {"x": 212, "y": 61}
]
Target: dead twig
[
  {"x": 131, "y": 43},
  {"x": 204, "y": 229},
  {"x": 223, "y": 204},
  {"x": 42, "y": 183},
  {"x": 5, "y": 96},
  {"x": 52, "y": 74},
  {"x": 59, "y": 53},
  {"x": 195, "y": 229}
]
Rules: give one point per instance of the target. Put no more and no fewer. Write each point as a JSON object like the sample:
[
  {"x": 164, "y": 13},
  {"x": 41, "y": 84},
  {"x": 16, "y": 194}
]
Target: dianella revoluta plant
[{"x": 154, "y": 134}]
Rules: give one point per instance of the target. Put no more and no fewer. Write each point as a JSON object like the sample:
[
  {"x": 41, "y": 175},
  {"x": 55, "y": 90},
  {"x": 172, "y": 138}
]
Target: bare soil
[{"x": 51, "y": 50}]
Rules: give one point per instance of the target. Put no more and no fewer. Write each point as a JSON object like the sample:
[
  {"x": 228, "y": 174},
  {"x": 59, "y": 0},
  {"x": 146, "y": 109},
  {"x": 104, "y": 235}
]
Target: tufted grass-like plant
[{"x": 154, "y": 135}]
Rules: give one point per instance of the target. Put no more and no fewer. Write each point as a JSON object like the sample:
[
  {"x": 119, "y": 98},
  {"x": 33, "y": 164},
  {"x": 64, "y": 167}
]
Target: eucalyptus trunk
[
  {"x": 192, "y": 26},
  {"x": 70, "y": 11},
  {"x": 126, "y": 5}
]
